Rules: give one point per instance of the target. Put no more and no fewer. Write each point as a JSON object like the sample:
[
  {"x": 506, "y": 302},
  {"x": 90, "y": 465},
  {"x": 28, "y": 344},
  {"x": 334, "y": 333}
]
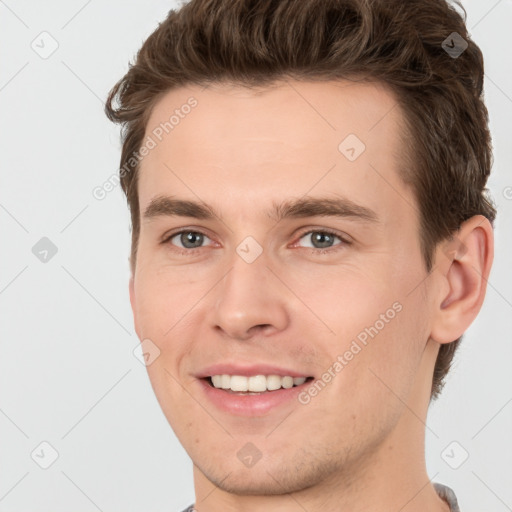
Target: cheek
[
  {"x": 348, "y": 301},
  {"x": 372, "y": 381},
  {"x": 375, "y": 331},
  {"x": 161, "y": 316},
  {"x": 163, "y": 301},
  {"x": 384, "y": 371},
  {"x": 161, "y": 308}
]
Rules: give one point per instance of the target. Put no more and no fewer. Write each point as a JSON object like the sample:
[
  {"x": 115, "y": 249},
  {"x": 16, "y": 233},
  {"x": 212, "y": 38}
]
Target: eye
[
  {"x": 323, "y": 239},
  {"x": 186, "y": 239}
]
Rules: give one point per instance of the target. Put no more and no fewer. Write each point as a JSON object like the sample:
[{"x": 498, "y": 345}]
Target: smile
[
  {"x": 255, "y": 383},
  {"x": 252, "y": 395}
]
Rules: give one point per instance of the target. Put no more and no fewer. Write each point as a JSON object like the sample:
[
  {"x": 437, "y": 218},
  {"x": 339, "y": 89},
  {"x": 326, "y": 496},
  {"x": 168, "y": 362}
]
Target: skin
[{"x": 359, "y": 444}]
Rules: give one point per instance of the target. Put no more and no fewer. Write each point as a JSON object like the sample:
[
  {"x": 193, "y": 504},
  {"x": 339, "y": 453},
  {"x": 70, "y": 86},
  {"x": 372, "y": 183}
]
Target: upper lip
[{"x": 249, "y": 370}]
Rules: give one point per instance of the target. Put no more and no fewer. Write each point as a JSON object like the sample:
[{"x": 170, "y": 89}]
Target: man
[{"x": 311, "y": 239}]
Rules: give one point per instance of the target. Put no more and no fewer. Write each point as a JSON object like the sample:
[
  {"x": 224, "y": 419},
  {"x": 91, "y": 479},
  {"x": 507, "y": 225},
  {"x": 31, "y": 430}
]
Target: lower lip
[{"x": 251, "y": 405}]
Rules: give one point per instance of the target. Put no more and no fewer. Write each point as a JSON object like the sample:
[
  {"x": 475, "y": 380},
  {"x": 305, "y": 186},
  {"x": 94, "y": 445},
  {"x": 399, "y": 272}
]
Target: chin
[
  {"x": 268, "y": 477},
  {"x": 250, "y": 483}
]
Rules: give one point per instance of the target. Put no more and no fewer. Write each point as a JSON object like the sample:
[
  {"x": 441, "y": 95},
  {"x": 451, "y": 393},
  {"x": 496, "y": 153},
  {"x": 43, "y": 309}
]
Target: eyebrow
[{"x": 291, "y": 209}]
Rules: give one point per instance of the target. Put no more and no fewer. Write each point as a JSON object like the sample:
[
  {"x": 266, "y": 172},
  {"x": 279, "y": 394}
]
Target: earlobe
[{"x": 470, "y": 255}]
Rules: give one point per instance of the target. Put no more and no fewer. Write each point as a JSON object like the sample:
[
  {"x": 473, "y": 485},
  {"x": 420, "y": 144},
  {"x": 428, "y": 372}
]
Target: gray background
[{"x": 68, "y": 374}]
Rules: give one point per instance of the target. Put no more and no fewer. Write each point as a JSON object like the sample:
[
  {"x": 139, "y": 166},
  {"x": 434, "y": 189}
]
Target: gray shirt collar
[{"x": 447, "y": 495}]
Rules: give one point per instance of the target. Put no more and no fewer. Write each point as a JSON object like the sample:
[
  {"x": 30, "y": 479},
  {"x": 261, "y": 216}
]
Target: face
[{"x": 303, "y": 270}]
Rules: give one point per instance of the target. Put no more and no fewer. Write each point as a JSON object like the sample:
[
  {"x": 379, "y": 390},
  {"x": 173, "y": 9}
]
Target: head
[{"x": 243, "y": 106}]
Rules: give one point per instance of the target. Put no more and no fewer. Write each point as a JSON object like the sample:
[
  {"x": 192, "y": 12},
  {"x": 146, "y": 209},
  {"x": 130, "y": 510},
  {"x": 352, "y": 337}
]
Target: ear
[
  {"x": 133, "y": 303},
  {"x": 465, "y": 264}
]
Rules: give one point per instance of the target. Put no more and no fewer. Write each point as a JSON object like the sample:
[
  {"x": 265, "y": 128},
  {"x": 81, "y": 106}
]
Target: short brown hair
[{"x": 401, "y": 43}]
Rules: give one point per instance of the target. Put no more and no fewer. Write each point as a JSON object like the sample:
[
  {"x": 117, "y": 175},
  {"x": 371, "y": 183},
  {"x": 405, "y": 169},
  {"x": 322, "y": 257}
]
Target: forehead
[
  {"x": 291, "y": 112},
  {"x": 288, "y": 138}
]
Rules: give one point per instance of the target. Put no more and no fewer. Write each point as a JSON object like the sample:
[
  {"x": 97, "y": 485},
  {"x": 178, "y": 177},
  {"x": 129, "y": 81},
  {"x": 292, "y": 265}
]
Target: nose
[{"x": 250, "y": 300}]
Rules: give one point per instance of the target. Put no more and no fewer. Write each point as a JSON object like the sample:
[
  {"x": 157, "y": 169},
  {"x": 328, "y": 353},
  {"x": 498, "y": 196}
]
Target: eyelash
[{"x": 325, "y": 231}]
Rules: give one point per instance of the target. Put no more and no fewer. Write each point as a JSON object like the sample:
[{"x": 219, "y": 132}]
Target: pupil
[
  {"x": 321, "y": 236},
  {"x": 189, "y": 237}
]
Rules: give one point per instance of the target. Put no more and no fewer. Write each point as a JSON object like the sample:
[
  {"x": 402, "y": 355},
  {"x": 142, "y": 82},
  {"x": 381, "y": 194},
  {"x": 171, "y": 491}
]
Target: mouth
[
  {"x": 254, "y": 384},
  {"x": 252, "y": 390}
]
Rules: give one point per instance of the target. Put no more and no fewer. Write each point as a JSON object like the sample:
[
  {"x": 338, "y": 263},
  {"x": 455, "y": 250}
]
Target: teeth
[
  {"x": 225, "y": 381},
  {"x": 255, "y": 383},
  {"x": 239, "y": 383},
  {"x": 274, "y": 382},
  {"x": 287, "y": 382}
]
